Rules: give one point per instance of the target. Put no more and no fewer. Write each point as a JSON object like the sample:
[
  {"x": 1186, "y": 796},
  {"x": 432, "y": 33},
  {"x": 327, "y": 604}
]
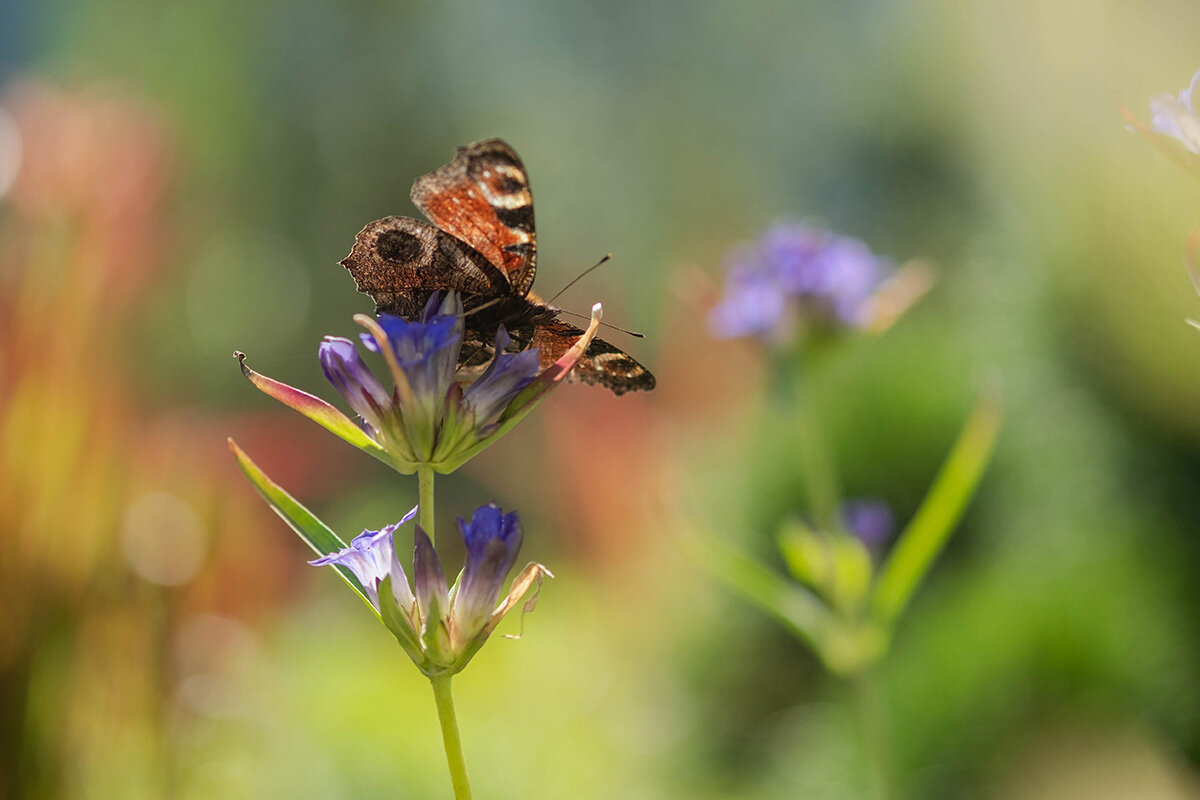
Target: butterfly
[{"x": 485, "y": 248}]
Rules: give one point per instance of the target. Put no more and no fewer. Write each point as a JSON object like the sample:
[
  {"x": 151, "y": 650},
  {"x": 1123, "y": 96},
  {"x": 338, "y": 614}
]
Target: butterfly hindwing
[
  {"x": 399, "y": 261},
  {"x": 482, "y": 197},
  {"x": 602, "y": 363}
]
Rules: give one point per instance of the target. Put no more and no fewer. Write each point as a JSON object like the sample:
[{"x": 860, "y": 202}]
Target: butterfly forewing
[
  {"x": 399, "y": 261},
  {"x": 483, "y": 198}
]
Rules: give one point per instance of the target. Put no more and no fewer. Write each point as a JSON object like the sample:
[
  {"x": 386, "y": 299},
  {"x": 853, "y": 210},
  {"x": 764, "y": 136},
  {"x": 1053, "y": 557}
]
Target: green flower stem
[
  {"x": 425, "y": 500},
  {"x": 797, "y": 373},
  {"x": 441, "y": 683},
  {"x": 454, "y": 751},
  {"x": 792, "y": 388},
  {"x": 873, "y": 730},
  {"x": 820, "y": 476}
]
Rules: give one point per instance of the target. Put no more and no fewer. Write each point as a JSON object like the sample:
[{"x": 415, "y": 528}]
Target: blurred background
[{"x": 178, "y": 180}]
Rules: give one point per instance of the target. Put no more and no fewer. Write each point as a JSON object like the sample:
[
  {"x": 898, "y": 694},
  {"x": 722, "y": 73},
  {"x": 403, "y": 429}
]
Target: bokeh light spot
[{"x": 163, "y": 539}]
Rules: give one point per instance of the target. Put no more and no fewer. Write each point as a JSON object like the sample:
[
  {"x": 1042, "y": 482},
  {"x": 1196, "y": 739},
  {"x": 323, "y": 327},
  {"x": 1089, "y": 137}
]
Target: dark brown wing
[
  {"x": 603, "y": 363},
  {"x": 399, "y": 261},
  {"x": 483, "y": 198}
]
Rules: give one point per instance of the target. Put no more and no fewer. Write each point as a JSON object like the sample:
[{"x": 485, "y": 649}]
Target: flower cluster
[
  {"x": 850, "y": 575},
  {"x": 435, "y": 414},
  {"x": 440, "y": 627},
  {"x": 798, "y": 275},
  {"x": 434, "y": 417},
  {"x": 797, "y": 269}
]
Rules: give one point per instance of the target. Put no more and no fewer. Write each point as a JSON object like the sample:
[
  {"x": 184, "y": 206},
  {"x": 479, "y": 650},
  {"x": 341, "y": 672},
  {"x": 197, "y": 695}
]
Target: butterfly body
[{"x": 484, "y": 247}]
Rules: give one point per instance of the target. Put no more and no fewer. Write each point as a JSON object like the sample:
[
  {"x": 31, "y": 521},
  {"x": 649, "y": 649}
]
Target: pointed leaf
[
  {"x": 314, "y": 408},
  {"x": 317, "y": 534},
  {"x": 927, "y": 533}
]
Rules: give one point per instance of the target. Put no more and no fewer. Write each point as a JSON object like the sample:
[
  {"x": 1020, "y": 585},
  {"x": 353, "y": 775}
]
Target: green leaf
[
  {"x": 315, "y": 409},
  {"x": 939, "y": 513},
  {"x": 317, "y": 534}
]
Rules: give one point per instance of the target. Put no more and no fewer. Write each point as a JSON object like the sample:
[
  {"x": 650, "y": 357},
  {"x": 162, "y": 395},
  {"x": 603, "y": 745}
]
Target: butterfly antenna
[
  {"x": 605, "y": 324},
  {"x": 482, "y": 306},
  {"x": 577, "y": 279}
]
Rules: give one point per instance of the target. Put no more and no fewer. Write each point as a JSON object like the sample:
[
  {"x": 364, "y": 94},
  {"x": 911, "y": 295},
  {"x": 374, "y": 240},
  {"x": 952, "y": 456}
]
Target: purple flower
[
  {"x": 440, "y": 628},
  {"x": 870, "y": 521},
  {"x": 1177, "y": 116},
  {"x": 797, "y": 273},
  {"x": 371, "y": 556},
  {"x": 435, "y": 414},
  {"x": 493, "y": 540}
]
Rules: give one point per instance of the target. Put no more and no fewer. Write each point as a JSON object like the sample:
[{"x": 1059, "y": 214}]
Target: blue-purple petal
[
  {"x": 848, "y": 273},
  {"x": 349, "y": 374},
  {"x": 787, "y": 252},
  {"x": 370, "y": 556},
  {"x": 493, "y": 540},
  {"x": 426, "y": 351},
  {"x": 871, "y": 521},
  {"x": 505, "y": 377}
]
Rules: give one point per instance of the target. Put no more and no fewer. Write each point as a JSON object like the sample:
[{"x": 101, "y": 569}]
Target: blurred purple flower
[
  {"x": 754, "y": 305},
  {"x": 797, "y": 272},
  {"x": 787, "y": 253},
  {"x": 1177, "y": 116},
  {"x": 870, "y": 521},
  {"x": 844, "y": 274}
]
